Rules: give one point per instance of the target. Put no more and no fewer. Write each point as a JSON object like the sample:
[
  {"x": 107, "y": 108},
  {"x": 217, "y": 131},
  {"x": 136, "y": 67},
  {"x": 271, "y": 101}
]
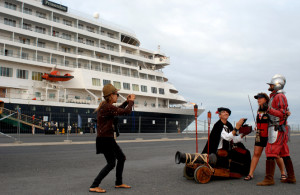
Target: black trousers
[{"x": 111, "y": 157}]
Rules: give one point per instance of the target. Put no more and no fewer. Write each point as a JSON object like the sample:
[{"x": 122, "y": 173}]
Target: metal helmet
[{"x": 278, "y": 81}]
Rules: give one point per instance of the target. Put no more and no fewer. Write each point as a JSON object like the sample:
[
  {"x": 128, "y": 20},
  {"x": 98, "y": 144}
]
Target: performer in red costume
[{"x": 278, "y": 132}]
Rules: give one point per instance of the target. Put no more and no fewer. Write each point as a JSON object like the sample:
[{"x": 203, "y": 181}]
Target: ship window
[
  {"x": 105, "y": 82},
  {"x": 110, "y": 47},
  {"x": 117, "y": 84},
  {"x": 127, "y": 62},
  {"x": 37, "y": 94},
  {"x": 53, "y": 60},
  {"x": 8, "y": 52},
  {"x": 27, "y": 10},
  {"x": 90, "y": 29},
  {"x": 22, "y": 74},
  {"x": 67, "y": 63},
  {"x": 80, "y": 40},
  {"x": 51, "y": 95},
  {"x": 145, "y": 103},
  {"x": 111, "y": 35},
  {"x": 40, "y": 58},
  {"x": 24, "y": 40},
  {"x": 6, "y": 72},
  {"x": 67, "y": 22},
  {"x": 90, "y": 42},
  {"x": 153, "y": 89},
  {"x": 80, "y": 26},
  {"x": 37, "y": 76},
  {"x": 77, "y": 97},
  {"x": 135, "y": 87},
  {"x": 143, "y": 76},
  {"x": 161, "y": 91},
  {"x": 10, "y": 6},
  {"x": 40, "y": 29},
  {"x": 66, "y": 36},
  {"x": 160, "y": 79},
  {"x": 153, "y": 105},
  {"x": 41, "y": 44},
  {"x": 88, "y": 98},
  {"x": 55, "y": 19},
  {"x": 9, "y": 22},
  {"x": 126, "y": 86},
  {"x": 151, "y": 77},
  {"x": 96, "y": 82},
  {"x": 27, "y": 26},
  {"x": 24, "y": 55},
  {"x": 55, "y": 33},
  {"x": 40, "y": 14},
  {"x": 143, "y": 88}
]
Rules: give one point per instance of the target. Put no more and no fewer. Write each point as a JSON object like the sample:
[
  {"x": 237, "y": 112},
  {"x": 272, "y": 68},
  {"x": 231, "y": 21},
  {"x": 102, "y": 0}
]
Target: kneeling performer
[{"x": 225, "y": 142}]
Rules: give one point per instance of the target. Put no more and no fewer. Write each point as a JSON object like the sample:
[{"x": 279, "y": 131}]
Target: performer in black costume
[{"x": 226, "y": 144}]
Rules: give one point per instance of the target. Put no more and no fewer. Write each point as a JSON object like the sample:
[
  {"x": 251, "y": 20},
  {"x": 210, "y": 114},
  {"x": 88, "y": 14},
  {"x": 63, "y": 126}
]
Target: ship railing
[
  {"x": 42, "y": 97},
  {"x": 80, "y": 14},
  {"x": 25, "y": 119},
  {"x": 58, "y": 36}
]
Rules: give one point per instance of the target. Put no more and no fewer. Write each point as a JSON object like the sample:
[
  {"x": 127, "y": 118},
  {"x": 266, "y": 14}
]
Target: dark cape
[
  {"x": 239, "y": 155},
  {"x": 215, "y": 136}
]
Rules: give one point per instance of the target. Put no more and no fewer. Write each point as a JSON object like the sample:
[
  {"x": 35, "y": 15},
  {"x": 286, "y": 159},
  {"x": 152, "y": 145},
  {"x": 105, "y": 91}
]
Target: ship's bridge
[{"x": 130, "y": 40}]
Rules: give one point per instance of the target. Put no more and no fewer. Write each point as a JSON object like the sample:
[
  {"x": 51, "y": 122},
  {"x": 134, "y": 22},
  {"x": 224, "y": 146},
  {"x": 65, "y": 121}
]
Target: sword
[{"x": 252, "y": 110}]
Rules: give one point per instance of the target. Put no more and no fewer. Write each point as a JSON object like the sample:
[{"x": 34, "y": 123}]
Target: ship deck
[{"x": 150, "y": 167}]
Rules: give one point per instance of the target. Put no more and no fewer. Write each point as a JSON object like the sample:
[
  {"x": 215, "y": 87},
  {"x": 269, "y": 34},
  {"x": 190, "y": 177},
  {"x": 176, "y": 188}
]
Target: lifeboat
[{"x": 55, "y": 76}]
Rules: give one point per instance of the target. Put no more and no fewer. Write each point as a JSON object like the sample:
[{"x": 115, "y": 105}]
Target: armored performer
[
  {"x": 261, "y": 140},
  {"x": 277, "y": 132}
]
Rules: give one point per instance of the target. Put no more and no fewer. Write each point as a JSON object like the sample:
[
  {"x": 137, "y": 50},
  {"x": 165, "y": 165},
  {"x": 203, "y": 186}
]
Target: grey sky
[{"x": 221, "y": 50}]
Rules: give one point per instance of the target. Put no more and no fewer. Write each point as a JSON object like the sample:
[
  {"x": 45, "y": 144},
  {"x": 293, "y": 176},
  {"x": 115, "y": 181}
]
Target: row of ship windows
[
  {"x": 66, "y": 36},
  {"x": 126, "y": 86},
  {"x": 55, "y": 33},
  {"x": 37, "y": 76},
  {"x": 105, "y": 67},
  {"x": 56, "y": 19}
]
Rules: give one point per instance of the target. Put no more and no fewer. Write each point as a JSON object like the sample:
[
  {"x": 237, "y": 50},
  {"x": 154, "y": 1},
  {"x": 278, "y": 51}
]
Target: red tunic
[{"x": 279, "y": 109}]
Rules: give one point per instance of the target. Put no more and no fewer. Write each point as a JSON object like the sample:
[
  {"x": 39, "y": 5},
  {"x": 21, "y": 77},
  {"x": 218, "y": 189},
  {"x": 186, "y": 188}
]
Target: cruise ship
[{"x": 54, "y": 64}]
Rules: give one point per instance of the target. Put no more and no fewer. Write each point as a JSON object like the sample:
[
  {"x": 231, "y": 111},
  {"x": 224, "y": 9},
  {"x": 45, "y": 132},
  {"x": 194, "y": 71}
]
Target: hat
[
  {"x": 108, "y": 89},
  {"x": 262, "y": 95},
  {"x": 223, "y": 109}
]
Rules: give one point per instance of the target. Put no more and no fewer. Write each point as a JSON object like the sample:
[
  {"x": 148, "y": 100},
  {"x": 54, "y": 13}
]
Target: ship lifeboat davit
[{"x": 55, "y": 76}]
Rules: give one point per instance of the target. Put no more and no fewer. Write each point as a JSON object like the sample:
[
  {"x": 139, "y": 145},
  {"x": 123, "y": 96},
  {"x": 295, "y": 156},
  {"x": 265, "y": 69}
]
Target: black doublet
[{"x": 215, "y": 136}]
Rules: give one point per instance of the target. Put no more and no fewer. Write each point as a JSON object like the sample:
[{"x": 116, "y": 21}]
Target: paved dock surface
[{"x": 149, "y": 169}]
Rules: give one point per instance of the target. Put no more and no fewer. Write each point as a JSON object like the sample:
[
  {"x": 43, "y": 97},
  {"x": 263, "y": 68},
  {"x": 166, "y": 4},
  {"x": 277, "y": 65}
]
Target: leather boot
[
  {"x": 290, "y": 171},
  {"x": 269, "y": 178}
]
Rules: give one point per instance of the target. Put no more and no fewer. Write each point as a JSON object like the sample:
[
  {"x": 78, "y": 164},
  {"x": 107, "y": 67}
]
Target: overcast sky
[{"x": 221, "y": 50}]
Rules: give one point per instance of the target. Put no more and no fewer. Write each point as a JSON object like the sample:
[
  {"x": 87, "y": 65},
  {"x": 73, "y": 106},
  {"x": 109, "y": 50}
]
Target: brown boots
[
  {"x": 290, "y": 171},
  {"x": 269, "y": 178}
]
